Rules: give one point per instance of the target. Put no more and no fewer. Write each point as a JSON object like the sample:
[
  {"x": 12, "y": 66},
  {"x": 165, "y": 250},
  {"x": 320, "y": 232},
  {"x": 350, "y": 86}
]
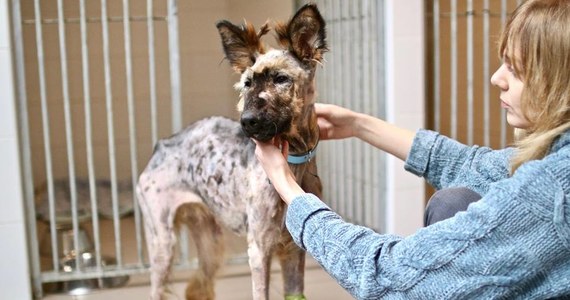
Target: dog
[{"x": 207, "y": 175}]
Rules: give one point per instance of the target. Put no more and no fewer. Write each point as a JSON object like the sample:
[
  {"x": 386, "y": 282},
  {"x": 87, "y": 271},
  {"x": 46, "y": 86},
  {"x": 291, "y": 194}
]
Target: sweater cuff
[
  {"x": 299, "y": 212},
  {"x": 419, "y": 155}
]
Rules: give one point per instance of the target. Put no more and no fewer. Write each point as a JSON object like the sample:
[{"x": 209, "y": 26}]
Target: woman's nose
[{"x": 498, "y": 79}]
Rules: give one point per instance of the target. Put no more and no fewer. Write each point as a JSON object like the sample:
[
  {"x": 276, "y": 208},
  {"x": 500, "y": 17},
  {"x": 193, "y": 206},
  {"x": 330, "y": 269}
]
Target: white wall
[
  {"x": 14, "y": 277},
  {"x": 405, "y": 107}
]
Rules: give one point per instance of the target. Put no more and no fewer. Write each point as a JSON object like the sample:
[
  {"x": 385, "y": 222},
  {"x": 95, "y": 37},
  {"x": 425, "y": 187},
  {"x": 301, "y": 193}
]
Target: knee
[
  {"x": 448, "y": 198},
  {"x": 446, "y": 203}
]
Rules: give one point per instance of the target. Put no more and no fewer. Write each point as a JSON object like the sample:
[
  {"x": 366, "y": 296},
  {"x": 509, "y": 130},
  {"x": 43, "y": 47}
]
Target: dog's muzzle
[{"x": 257, "y": 127}]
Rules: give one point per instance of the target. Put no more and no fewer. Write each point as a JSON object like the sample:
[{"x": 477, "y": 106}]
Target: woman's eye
[
  {"x": 281, "y": 79},
  {"x": 512, "y": 70}
]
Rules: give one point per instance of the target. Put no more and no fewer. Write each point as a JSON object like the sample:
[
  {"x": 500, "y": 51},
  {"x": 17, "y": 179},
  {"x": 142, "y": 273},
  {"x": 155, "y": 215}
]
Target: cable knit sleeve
[
  {"x": 511, "y": 244},
  {"x": 447, "y": 163}
]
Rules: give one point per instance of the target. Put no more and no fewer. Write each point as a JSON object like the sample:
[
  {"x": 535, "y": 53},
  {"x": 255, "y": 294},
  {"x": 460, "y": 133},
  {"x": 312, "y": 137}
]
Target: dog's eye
[
  {"x": 280, "y": 79},
  {"x": 247, "y": 83}
]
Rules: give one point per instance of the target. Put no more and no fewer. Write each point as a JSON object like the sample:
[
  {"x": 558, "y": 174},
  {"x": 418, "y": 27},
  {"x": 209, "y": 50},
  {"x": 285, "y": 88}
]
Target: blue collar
[{"x": 303, "y": 158}]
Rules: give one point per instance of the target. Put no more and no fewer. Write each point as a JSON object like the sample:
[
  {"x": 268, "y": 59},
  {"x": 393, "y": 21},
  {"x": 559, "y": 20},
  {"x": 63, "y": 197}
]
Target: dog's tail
[{"x": 208, "y": 238}]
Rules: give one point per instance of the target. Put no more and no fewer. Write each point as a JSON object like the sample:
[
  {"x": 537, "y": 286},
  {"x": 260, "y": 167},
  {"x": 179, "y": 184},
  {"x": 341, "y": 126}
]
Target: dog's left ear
[
  {"x": 242, "y": 45},
  {"x": 305, "y": 34}
]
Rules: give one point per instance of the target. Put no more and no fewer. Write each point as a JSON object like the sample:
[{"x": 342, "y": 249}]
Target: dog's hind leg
[
  {"x": 160, "y": 239},
  {"x": 208, "y": 238},
  {"x": 159, "y": 202}
]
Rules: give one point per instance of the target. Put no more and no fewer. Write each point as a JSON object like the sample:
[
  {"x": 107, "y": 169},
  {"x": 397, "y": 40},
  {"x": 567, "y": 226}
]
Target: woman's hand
[
  {"x": 273, "y": 160},
  {"x": 335, "y": 122}
]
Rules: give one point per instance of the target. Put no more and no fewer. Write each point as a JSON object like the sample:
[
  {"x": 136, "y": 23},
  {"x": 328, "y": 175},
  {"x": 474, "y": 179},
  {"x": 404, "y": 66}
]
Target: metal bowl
[
  {"x": 65, "y": 242},
  {"x": 87, "y": 261}
]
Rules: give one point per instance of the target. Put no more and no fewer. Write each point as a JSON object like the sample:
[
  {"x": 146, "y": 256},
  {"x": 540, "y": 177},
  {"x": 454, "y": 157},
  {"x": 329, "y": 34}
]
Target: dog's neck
[{"x": 305, "y": 137}]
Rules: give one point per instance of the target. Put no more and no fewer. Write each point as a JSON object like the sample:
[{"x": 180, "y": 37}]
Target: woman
[{"x": 512, "y": 243}]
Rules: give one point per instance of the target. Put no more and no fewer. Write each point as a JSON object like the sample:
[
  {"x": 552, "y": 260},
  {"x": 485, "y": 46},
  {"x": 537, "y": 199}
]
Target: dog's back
[{"x": 214, "y": 160}]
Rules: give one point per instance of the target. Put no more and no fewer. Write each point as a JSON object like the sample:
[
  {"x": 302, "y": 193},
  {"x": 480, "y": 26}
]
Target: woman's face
[{"x": 511, "y": 90}]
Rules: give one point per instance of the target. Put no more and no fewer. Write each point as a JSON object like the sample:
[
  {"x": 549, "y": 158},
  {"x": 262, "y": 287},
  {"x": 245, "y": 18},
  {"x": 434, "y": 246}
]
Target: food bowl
[{"x": 87, "y": 261}]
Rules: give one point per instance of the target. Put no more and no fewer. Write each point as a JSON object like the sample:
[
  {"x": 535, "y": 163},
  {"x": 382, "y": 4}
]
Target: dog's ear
[
  {"x": 242, "y": 45},
  {"x": 305, "y": 34}
]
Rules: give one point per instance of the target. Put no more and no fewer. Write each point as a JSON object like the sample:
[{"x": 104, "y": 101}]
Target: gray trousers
[{"x": 445, "y": 203}]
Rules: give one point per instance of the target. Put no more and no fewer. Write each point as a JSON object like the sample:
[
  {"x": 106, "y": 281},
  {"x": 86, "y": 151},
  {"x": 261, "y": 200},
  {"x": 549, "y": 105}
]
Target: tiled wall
[
  {"x": 405, "y": 108},
  {"x": 14, "y": 275}
]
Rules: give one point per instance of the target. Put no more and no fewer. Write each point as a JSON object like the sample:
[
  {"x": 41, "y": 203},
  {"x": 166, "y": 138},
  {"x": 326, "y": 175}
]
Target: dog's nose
[{"x": 249, "y": 122}]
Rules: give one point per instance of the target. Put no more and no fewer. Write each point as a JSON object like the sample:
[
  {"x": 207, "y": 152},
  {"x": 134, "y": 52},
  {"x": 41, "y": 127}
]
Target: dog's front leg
[
  {"x": 259, "y": 253},
  {"x": 292, "y": 260}
]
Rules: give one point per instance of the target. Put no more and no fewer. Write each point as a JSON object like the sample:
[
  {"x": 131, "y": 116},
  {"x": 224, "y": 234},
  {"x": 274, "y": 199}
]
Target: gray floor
[
  {"x": 318, "y": 285},
  {"x": 234, "y": 281}
]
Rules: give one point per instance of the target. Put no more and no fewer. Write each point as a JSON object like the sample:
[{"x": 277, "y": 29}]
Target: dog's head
[{"x": 275, "y": 85}]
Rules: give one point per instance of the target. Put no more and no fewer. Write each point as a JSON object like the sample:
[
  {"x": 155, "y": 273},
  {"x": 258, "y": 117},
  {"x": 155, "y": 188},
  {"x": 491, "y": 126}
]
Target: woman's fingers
[
  {"x": 265, "y": 151},
  {"x": 322, "y": 109},
  {"x": 285, "y": 148},
  {"x": 324, "y": 128}
]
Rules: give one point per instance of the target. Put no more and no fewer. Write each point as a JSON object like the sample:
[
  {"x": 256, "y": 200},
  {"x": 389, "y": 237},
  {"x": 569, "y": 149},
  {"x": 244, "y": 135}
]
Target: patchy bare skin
[{"x": 207, "y": 176}]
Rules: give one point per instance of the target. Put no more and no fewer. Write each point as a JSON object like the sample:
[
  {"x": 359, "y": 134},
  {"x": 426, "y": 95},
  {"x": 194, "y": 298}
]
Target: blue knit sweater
[{"x": 512, "y": 244}]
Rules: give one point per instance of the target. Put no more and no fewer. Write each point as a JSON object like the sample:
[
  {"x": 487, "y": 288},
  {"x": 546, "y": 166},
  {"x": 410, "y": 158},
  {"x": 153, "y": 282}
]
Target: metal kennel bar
[
  {"x": 486, "y": 76},
  {"x": 68, "y": 130},
  {"x": 89, "y": 133},
  {"x": 28, "y": 185},
  {"x": 453, "y": 66},
  {"x": 151, "y": 71},
  {"x": 100, "y": 269},
  {"x": 504, "y": 113},
  {"x": 45, "y": 123}
]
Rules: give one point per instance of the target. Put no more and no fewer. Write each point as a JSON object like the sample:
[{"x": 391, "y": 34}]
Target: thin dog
[{"x": 207, "y": 175}]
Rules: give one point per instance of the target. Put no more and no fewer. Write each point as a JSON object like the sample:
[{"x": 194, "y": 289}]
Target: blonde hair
[{"x": 536, "y": 40}]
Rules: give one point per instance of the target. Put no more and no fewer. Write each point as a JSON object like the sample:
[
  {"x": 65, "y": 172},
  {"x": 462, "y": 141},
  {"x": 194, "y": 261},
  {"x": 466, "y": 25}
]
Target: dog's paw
[{"x": 295, "y": 297}]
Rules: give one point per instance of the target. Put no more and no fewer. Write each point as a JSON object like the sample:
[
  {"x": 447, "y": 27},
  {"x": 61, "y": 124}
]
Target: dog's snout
[
  {"x": 249, "y": 121},
  {"x": 257, "y": 127}
]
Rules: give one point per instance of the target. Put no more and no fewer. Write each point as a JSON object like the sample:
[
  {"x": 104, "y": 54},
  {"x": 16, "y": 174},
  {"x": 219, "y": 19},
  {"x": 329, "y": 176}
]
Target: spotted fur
[{"x": 207, "y": 176}]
